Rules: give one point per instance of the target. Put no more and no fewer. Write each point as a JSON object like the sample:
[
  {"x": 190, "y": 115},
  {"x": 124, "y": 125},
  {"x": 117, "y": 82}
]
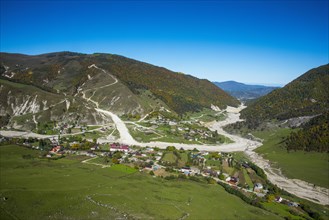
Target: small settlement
[{"x": 231, "y": 169}]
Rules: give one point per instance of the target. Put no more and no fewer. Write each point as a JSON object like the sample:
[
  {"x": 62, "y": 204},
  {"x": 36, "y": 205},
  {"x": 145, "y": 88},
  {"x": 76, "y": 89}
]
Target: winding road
[{"x": 297, "y": 187}]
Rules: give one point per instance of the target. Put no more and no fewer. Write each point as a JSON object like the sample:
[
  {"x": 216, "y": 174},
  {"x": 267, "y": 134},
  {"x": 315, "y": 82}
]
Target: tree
[
  {"x": 221, "y": 177},
  {"x": 115, "y": 160},
  {"x": 171, "y": 148},
  {"x": 270, "y": 197},
  {"x": 106, "y": 160}
]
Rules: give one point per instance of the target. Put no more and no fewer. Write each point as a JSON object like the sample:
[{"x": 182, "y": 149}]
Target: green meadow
[
  {"x": 36, "y": 188},
  {"x": 312, "y": 167}
]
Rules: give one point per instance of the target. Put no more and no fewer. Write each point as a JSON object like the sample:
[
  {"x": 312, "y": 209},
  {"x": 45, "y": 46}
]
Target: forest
[
  {"x": 314, "y": 136},
  {"x": 307, "y": 95}
]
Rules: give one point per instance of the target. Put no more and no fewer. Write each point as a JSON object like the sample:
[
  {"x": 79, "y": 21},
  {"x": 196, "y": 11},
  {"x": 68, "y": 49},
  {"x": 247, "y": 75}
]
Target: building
[
  {"x": 258, "y": 187},
  {"x": 118, "y": 147}
]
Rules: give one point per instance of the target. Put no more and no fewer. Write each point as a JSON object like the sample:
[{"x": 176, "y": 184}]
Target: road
[{"x": 297, "y": 187}]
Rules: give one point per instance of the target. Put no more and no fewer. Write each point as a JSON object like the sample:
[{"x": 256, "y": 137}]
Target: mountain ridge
[
  {"x": 113, "y": 82},
  {"x": 307, "y": 95},
  {"x": 244, "y": 91}
]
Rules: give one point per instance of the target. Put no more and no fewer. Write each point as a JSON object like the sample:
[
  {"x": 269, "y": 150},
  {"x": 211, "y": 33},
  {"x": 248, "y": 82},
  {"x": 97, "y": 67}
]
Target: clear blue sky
[{"x": 269, "y": 42}]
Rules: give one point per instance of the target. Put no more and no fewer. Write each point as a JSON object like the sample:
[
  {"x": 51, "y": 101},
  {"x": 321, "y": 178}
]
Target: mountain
[
  {"x": 71, "y": 86},
  {"x": 243, "y": 91},
  {"x": 308, "y": 95}
]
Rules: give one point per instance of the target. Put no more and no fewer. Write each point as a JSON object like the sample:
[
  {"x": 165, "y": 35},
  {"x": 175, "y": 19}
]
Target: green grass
[
  {"x": 207, "y": 115},
  {"x": 213, "y": 163},
  {"x": 229, "y": 170},
  {"x": 169, "y": 157},
  {"x": 142, "y": 136},
  {"x": 280, "y": 209},
  {"x": 247, "y": 178},
  {"x": 312, "y": 167},
  {"x": 100, "y": 160},
  {"x": 67, "y": 189},
  {"x": 177, "y": 139},
  {"x": 164, "y": 133},
  {"x": 94, "y": 134},
  {"x": 93, "y": 127},
  {"x": 123, "y": 168},
  {"x": 172, "y": 158}
]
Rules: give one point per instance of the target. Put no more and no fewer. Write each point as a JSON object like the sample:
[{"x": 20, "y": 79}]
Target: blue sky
[{"x": 268, "y": 42}]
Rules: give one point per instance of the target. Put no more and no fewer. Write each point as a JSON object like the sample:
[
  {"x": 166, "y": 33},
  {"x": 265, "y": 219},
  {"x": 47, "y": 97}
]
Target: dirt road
[{"x": 297, "y": 187}]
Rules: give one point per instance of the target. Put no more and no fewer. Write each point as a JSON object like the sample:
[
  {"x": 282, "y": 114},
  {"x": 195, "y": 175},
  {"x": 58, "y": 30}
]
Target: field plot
[{"x": 37, "y": 188}]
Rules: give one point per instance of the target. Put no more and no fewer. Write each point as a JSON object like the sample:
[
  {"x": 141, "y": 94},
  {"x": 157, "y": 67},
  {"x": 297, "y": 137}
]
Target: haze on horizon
[{"x": 254, "y": 42}]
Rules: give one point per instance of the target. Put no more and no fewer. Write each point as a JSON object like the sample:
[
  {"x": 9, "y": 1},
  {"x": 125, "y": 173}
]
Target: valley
[
  {"x": 108, "y": 113},
  {"x": 164, "y": 110},
  {"x": 297, "y": 187}
]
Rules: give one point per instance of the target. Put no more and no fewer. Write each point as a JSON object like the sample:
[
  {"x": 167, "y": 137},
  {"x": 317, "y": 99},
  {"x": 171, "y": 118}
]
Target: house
[
  {"x": 94, "y": 147},
  {"x": 245, "y": 165},
  {"x": 116, "y": 147},
  {"x": 210, "y": 172},
  {"x": 258, "y": 187},
  {"x": 293, "y": 204},
  {"x": 172, "y": 123},
  {"x": 155, "y": 167},
  {"x": 187, "y": 171},
  {"x": 232, "y": 180},
  {"x": 55, "y": 150},
  {"x": 278, "y": 199}
]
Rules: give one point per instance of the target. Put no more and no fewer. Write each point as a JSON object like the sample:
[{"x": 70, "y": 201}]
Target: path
[{"x": 97, "y": 164}]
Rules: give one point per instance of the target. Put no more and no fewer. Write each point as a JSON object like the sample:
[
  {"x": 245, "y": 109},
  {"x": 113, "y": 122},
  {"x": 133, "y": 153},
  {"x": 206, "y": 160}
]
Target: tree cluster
[{"x": 314, "y": 136}]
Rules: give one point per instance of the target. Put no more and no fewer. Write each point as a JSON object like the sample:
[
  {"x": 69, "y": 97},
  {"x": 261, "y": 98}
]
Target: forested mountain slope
[
  {"x": 304, "y": 96},
  {"x": 75, "y": 84},
  {"x": 314, "y": 135}
]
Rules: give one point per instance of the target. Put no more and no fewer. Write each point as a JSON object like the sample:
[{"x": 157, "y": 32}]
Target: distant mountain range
[
  {"x": 308, "y": 95},
  {"x": 243, "y": 91},
  {"x": 69, "y": 86}
]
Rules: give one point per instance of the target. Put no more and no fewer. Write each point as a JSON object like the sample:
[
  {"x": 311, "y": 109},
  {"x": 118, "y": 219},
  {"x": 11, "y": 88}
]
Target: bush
[
  {"x": 194, "y": 178},
  {"x": 221, "y": 177},
  {"x": 210, "y": 180}
]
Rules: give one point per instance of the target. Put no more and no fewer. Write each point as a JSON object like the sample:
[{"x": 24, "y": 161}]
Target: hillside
[
  {"x": 76, "y": 84},
  {"x": 243, "y": 91},
  {"x": 314, "y": 136},
  {"x": 23, "y": 106},
  {"x": 307, "y": 95}
]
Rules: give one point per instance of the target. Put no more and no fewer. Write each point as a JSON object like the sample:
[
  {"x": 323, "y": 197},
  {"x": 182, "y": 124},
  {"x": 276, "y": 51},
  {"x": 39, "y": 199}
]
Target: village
[
  {"x": 165, "y": 126},
  {"x": 231, "y": 170},
  {"x": 157, "y": 126}
]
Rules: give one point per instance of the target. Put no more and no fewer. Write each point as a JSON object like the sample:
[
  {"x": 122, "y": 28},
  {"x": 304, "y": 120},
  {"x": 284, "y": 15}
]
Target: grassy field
[
  {"x": 94, "y": 134},
  {"x": 312, "y": 167},
  {"x": 172, "y": 158},
  {"x": 67, "y": 189},
  {"x": 207, "y": 115},
  {"x": 142, "y": 136},
  {"x": 247, "y": 178}
]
